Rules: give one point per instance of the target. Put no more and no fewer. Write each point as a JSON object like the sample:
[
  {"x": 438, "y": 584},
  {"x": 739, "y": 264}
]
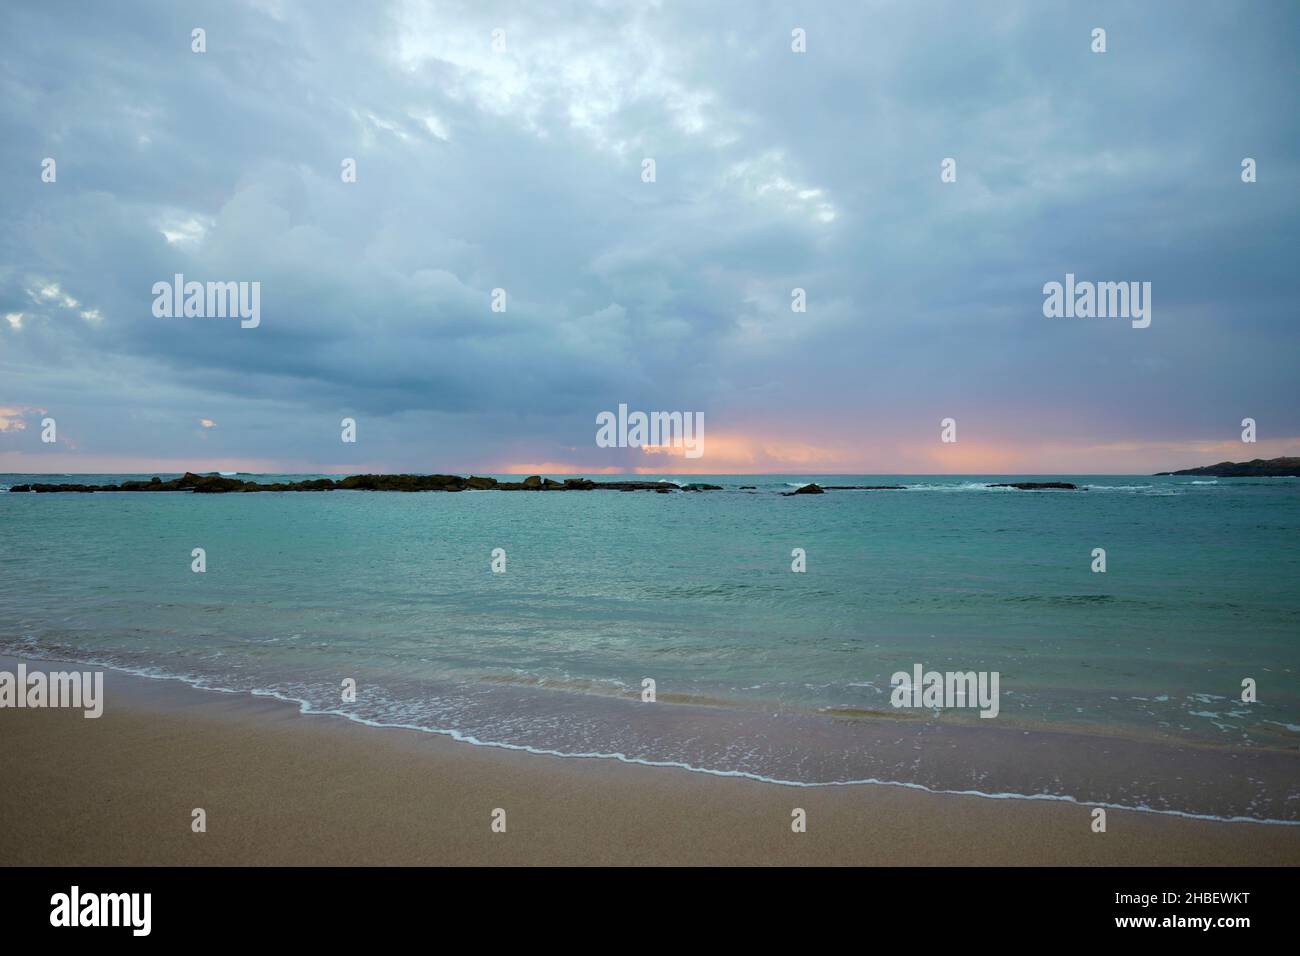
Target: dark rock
[
  {"x": 1038, "y": 485},
  {"x": 402, "y": 483},
  {"x": 217, "y": 485},
  {"x": 809, "y": 489},
  {"x": 82, "y": 489},
  {"x": 208, "y": 484},
  {"x": 635, "y": 485},
  {"x": 153, "y": 484},
  {"x": 701, "y": 486},
  {"x": 312, "y": 484},
  {"x": 220, "y": 484}
]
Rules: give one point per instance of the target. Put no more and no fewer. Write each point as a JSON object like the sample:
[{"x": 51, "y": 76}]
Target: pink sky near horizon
[{"x": 726, "y": 453}]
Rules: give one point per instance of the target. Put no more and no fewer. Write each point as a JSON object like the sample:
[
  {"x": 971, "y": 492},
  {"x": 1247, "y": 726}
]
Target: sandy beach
[{"x": 279, "y": 787}]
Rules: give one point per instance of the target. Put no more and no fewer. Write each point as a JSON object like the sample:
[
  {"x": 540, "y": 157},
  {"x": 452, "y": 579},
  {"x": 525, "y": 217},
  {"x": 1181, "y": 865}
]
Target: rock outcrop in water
[
  {"x": 808, "y": 489},
  {"x": 1256, "y": 468},
  {"x": 220, "y": 484},
  {"x": 1038, "y": 485}
]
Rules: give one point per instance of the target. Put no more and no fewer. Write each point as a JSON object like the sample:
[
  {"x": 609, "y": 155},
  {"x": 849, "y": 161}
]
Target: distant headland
[{"x": 1258, "y": 468}]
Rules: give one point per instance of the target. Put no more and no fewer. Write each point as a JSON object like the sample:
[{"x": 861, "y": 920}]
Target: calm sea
[{"x": 1116, "y": 687}]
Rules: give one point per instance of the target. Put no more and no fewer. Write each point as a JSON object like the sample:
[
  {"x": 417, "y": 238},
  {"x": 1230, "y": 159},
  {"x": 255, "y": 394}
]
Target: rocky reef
[
  {"x": 809, "y": 489},
  {"x": 1038, "y": 485},
  {"x": 220, "y": 484}
]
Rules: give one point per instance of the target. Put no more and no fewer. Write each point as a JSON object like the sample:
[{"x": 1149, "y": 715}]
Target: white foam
[{"x": 305, "y": 708}]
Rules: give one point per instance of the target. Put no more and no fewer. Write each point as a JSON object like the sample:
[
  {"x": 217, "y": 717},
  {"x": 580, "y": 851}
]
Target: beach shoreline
[{"x": 281, "y": 787}]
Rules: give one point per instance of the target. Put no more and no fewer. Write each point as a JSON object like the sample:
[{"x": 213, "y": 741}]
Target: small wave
[
  {"x": 306, "y": 707},
  {"x": 1060, "y": 599},
  {"x": 1294, "y": 728},
  {"x": 1147, "y": 491},
  {"x": 963, "y": 486}
]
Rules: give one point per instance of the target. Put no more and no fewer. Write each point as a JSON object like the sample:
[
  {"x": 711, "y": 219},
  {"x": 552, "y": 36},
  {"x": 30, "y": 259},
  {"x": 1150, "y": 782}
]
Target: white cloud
[
  {"x": 11, "y": 417},
  {"x": 435, "y": 126},
  {"x": 764, "y": 178},
  {"x": 599, "y": 73},
  {"x": 51, "y": 292},
  {"x": 184, "y": 229}
]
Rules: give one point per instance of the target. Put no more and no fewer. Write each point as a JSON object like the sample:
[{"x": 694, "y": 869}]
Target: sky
[{"x": 503, "y": 146}]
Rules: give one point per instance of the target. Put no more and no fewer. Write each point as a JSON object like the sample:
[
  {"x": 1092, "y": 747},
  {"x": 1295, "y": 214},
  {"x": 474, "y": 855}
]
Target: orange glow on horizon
[
  {"x": 726, "y": 453},
  {"x": 736, "y": 453}
]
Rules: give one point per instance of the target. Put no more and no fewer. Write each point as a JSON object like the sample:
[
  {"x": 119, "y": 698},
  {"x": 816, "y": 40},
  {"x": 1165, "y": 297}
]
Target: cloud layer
[{"x": 481, "y": 168}]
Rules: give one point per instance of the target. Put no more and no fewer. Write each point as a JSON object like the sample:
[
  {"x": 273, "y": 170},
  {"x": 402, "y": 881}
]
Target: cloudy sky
[{"x": 521, "y": 169}]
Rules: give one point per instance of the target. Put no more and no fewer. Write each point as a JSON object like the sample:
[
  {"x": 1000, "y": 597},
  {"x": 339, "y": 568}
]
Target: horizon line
[{"x": 650, "y": 475}]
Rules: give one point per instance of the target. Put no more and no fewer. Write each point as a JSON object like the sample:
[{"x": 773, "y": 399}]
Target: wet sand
[{"x": 282, "y": 788}]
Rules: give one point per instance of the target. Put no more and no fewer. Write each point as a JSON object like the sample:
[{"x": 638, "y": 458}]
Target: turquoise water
[{"x": 603, "y": 589}]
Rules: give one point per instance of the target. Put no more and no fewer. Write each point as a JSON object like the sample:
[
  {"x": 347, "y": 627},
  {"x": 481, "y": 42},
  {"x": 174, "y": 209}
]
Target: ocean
[{"x": 1120, "y": 688}]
